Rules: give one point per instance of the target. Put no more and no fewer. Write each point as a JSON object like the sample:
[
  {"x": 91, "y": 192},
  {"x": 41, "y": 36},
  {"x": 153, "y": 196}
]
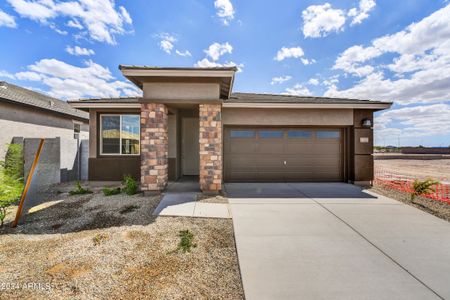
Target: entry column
[
  {"x": 210, "y": 116},
  {"x": 154, "y": 147}
]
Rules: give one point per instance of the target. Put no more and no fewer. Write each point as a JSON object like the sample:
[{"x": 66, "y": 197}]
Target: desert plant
[
  {"x": 11, "y": 179},
  {"x": 186, "y": 241},
  {"x": 131, "y": 185},
  {"x": 99, "y": 238},
  {"x": 79, "y": 190},
  {"x": 111, "y": 191},
  {"x": 423, "y": 187},
  {"x": 10, "y": 191}
]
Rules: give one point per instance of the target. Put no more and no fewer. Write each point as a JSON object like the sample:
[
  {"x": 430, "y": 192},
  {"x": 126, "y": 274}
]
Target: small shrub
[
  {"x": 423, "y": 187},
  {"x": 131, "y": 185},
  {"x": 111, "y": 191},
  {"x": 79, "y": 190},
  {"x": 186, "y": 241},
  {"x": 99, "y": 238}
]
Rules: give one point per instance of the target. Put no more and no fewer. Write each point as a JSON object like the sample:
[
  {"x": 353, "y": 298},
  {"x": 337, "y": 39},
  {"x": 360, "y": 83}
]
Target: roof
[
  {"x": 274, "y": 98},
  {"x": 20, "y": 95},
  {"x": 248, "y": 100},
  {"x": 133, "y": 67},
  {"x": 223, "y": 75}
]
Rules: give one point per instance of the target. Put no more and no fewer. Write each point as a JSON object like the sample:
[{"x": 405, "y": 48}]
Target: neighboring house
[
  {"x": 189, "y": 122},
  {"x": 28, "y": 114}
]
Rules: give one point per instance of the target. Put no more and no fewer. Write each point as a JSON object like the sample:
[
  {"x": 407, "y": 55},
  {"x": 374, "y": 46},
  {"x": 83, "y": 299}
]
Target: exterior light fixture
[{"x": 367, "y": 123}]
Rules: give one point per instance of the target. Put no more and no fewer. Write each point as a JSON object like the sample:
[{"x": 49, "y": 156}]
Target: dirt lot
[
  {"x": 434, "y": 207},
  {"x": 437, "y": 169},
  {"x": 100, "y": 247}
]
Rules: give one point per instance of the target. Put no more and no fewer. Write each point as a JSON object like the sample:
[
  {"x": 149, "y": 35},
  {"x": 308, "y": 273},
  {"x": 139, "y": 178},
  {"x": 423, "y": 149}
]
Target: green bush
[
  {"x": 111, "y": 191},
  {"x": 131, "y": 185},
  {"x": 423, "y": 187},
  {"x": 11, "y": 179},
  {"x": 79, "y": 190},
  {"x": 186, "y": 241}
]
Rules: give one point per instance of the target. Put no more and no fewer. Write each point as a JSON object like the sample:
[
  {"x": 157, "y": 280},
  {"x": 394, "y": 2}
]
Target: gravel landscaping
[
  {"x": 92, "y": 246},
  {"x": 434, "y": 207}
]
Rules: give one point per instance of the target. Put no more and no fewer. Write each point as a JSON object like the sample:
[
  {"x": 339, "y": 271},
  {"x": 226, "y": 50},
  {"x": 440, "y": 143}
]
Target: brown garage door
[{"x": 283, "y": 154}]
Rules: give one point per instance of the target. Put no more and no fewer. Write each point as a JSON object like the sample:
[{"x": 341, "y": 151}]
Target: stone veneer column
[
  {"x": 210, "y": 147},
  {"x": 154, "y": 147}
]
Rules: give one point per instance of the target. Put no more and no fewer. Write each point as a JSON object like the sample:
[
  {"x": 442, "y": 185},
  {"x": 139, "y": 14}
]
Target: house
[
  {"x": 189, "y": 122},
  {"x": 26, "y": 114}
]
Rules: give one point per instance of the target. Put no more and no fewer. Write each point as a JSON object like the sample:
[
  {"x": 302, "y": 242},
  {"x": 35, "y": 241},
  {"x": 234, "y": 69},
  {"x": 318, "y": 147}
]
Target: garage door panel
[{"x": 284, "y": 154}]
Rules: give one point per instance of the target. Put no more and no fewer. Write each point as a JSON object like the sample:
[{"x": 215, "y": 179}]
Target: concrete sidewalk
[
  {"x": 334, "y": 241},
  {"x": 180, "y": 200}
]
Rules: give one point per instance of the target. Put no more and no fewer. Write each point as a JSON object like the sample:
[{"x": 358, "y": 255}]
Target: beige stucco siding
[
  {"x": 294, "y": 117},
  {"x": 22, "y": 121},
  {"x": 181, "y": 91}
]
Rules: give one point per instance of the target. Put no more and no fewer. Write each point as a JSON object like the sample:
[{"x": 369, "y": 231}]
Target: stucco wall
[
  {"x": 300, "y": 117},
  {"x": 181, "y": 91},
  {"x": 21, "y": 121}
]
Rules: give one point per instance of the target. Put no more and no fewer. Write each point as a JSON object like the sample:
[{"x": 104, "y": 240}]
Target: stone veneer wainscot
[
  {"x": 154, "y": 147},
  {"x": 210, "y": 147}
]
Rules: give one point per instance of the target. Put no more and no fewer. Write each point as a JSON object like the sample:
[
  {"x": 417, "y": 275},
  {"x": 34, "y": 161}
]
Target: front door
[{"x": 190, "y": 146}]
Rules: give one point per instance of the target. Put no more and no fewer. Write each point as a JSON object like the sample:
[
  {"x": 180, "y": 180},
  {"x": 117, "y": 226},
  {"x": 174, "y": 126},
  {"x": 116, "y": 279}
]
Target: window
[
  {"x": 270, "y": 134},
  {"x": 302, "y": 134},
  {"x": 120, "y": 134},
  {"x": 242, "y": 134},
  {"x": 330, "y": 134}
]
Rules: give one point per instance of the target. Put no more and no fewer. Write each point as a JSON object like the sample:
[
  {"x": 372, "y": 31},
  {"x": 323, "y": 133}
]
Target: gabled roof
[{"x": 19, "y": 95}]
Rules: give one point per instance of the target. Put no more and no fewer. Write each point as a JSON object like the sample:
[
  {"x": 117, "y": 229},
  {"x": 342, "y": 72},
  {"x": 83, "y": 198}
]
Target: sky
[{"x": 396, "y": 51}]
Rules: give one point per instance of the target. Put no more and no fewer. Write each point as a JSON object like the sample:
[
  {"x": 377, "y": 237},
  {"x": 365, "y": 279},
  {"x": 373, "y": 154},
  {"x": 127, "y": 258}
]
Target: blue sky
[{"x": 371, "y": 49}]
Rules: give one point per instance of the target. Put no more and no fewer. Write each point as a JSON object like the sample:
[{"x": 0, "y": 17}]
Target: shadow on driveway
[{"x": 295, "y": 190}]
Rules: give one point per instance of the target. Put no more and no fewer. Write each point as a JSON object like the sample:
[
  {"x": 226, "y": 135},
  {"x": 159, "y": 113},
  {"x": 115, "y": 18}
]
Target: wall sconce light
[{"x": 367, "y": 123}]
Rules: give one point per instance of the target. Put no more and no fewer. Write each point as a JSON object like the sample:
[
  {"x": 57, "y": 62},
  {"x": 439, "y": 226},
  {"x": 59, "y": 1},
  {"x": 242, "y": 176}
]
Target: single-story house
[
  {"x": 26, "y": 115},
  {"x": 189, "y": 122}
]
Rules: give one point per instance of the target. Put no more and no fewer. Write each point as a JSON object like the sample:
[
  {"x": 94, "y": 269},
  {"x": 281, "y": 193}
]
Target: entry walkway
[
  {"x": 335, "y": 241},
  {"x": 180, "y": 200}
]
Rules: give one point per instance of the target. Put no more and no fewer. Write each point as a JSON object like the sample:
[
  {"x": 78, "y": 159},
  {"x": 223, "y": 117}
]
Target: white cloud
[
  {"x": 280, "y": 79},
  {"x": 71, "y": 82},
  {"x": 362, "y": 12},
  {"x": 206, "y": 63},
  {"x": 412, "y": 122},
  {"x": 298, "y": 90},
  {"x": 216, "y": 50},
  {"x": 79, "y": 51},
  {"x": 167, "y": 42},
  {"x": 313, "y": 81},
  {"x": 6, "y": 74},
  {"x": 31, "y": 76},
  {"x": 7, "y": 20},
  {"x": 284, "y": 52},
  {"x": 320, "y": 20},
  {"x": 183, "y": 53},
  {"x": 74, "y": 24},
  {"x": 225, "y": 10},
  {"x": 420, "y": 66},
  {"x": 100, "y": 19}
]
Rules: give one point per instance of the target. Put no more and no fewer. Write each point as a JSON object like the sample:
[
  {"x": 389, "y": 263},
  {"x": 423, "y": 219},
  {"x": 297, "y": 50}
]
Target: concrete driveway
[{"x": 334, "y": 241}]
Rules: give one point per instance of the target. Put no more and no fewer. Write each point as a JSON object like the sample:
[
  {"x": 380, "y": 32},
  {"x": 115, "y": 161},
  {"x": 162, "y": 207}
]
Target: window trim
[
  {"x": 271, "y": 137},
  {"x": 243, "y": 130},
  {"x": 310, "y": 131},
  {"x": 120, "y": 137},
  {"x": 329, "y": 138}
]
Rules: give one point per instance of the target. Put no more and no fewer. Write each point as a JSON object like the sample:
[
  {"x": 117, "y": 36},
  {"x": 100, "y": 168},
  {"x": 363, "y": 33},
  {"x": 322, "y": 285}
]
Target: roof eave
[{"x": 374, "y": 106}]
